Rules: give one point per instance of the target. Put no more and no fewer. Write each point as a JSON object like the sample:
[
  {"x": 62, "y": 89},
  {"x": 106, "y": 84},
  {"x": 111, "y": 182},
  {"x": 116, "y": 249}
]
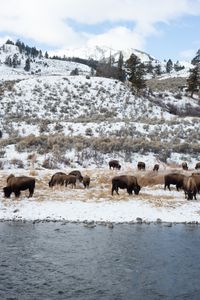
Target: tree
[
  {"x": 27, "y": 65},
  {"x": 193, "y": 80},
  {"x": 46, "y": 55},
  {"x": 74, "y": 72},
  {"x": 178, "y": 67},
  {"x": 9, "y": 42},
  {"x": 169, "y": 66},
  {"x": 136, "y": 72},
  {"x": 158, "y": 70},
  {"x": 121, "y": 72}
]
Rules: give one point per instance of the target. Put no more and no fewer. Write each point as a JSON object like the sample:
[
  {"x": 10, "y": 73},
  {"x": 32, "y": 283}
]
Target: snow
[{"x": 96, "y": 203}]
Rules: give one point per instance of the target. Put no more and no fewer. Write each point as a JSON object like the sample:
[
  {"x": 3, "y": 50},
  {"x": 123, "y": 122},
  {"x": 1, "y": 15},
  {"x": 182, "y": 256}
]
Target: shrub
[{"x": 18, "y": 163}]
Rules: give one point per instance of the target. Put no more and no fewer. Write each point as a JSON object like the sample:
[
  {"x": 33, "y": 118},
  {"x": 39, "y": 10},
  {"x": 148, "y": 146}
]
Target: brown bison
[
  {"x": 175, "y": 179},
  {"x": 17, "y": 184},
  {"x": 184, "y": 166},
  {"x": 125, "y": 182},
  {"x": 141, "y": 165},
  {"x": 190, "y": 188},
  {"x": 86, "y": 181},
  {"x": 197, "y": 166},
  {"x": 156, "y": 167},
  {"x": 70, "y": 179},
  {"x": 196, "y": 177},
  {"x": 114, "y": 164},
  {"x": 77, "y": 174},
  {"x": 57, "y": 179},
  {"x": 61, "y": 178}
]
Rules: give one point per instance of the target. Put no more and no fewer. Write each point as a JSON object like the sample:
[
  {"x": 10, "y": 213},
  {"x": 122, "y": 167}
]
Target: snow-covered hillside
[
  {"x": 39, "y": 66},
  {"x": 82, "y": 118}
]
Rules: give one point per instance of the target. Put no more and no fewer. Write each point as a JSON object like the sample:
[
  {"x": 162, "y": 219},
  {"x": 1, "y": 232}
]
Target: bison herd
[{"x": 189, "y": 184}]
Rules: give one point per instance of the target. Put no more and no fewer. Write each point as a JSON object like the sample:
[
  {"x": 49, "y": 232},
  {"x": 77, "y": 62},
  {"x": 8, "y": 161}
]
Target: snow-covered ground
[{"x": 96, "y": 203}]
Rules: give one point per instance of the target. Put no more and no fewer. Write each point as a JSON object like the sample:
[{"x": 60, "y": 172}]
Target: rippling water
[{"x": 51, "y": 261}]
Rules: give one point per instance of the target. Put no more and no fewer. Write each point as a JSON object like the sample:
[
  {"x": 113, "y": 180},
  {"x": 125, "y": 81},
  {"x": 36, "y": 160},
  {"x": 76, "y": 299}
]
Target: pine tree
[
  {"x": 27, "y": 65},
  {"x": 46, "y": 55},
  {"x": 178, "y": 67},
  {"x": 194, "y": 80},
  {"x": 158, "y": 70},
  {"x": 136, "y": 72},
  {"x": 169, "y": 66},
  {"x": 121, "y": 72}
]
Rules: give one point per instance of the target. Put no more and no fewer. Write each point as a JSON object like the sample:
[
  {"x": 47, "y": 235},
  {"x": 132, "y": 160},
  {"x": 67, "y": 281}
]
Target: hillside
[{"x": 85, "y": 120}]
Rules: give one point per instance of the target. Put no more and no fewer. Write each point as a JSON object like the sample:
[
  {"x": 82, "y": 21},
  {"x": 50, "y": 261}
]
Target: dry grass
[{"x": 100, "y": 186}]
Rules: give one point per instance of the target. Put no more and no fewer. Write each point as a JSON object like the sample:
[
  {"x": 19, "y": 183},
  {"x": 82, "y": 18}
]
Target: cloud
[{"x": 47, "y": 21}]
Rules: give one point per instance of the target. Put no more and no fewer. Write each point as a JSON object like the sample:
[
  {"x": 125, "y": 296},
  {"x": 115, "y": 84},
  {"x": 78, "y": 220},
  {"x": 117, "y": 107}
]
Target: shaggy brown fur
[
  {"x": 141, "y": 165},
  {"x": 86, "y": 181},
  {"x": 190, "y": 188},
  {"x": 175, "y": 179},
  {"x": 125, "y": 182},
  {"x": 114, "y": 164},
  {"x": 17, "y": 184}
]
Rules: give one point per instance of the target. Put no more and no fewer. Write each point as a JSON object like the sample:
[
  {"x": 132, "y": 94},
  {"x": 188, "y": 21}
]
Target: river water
[{"x": 55, "y": 261}]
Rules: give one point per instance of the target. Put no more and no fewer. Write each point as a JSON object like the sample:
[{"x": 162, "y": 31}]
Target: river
[{"x": 54, "y": 261}]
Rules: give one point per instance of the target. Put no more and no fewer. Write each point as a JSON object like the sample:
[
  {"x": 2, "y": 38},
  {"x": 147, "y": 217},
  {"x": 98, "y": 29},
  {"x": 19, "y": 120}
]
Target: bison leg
[
  {"x": 129, "y": 191},
  {"x": 31, "y": 191},
  {"x": 17, "y": 194},
  {"x": 115, "y": 188}
]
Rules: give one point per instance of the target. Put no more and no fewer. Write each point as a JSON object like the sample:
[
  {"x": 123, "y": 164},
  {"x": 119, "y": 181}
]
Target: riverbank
[{"x": 153, "y": 204}]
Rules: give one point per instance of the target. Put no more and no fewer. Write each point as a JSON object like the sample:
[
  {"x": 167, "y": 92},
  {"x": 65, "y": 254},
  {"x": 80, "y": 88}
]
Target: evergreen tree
[
  {"x": 9, "y": 42},
  {"x": 158, "y": 70},
  {"x": 178, "y": 67},
  {"x": 16, "y": 61},
  {"x": 136, "y": 72},
  {"x": 46, "y": 55},
  {"x": 169, "y": 66},
  {"x": 27, "y": 65},
  {"x": 121, "y": 72},
  {"x": 8, "y": 61},
  {"x": 193, "y": 80}
]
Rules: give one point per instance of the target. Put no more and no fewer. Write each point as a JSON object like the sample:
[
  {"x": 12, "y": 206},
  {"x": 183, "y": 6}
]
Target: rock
[
  {"x": 158, "y": 221},
  {"x": 16, "y": 210},
  {"x": 139, "y": 220},
  {"x": 90, "y": 225},
  {"x": 110, "y": 225}
]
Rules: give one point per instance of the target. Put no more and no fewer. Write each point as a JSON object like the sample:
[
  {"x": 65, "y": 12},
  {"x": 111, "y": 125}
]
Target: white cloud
[{"x": 46, "y": 21}]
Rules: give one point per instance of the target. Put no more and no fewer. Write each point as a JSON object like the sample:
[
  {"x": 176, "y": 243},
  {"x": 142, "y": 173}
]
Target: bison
[
  {"x": 197, "y": 166},
  {"x": 175, "y": 179},
  {"x": 70, "y": 179},
  {"x": 156, "y": 167},
  {"x": 17, "y": 184},
  {"x": 125, "y": 182},
  {"x": 86, "y": 181},
  {"x": 61, "y": 178},
  {"x": 114, "y": 164},
  {"x": 184, "y": 166},
  {"x": 57, "y": 179},
  {"x": 141, "y": 165},
  {"x": 77, "y": 174},
  {"x": 196, "y": 177},
  {"x": 190, "y": 188}
]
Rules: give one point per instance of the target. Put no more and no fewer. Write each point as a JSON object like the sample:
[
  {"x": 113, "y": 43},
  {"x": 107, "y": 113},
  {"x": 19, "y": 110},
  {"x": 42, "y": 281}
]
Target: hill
[{"x": 84, "y": 120}]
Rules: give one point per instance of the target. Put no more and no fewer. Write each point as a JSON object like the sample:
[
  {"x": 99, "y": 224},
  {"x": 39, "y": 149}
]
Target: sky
[{"x": 163, "y": 28}]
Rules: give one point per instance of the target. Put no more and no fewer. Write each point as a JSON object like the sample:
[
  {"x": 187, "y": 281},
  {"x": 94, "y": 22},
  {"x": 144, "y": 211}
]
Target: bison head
[
  {"x": 137, "y": 189},
  {"x": 7, "y": 191}
]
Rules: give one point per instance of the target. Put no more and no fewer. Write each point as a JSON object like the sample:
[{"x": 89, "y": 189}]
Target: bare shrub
[
  {"x": 18, "y": 163},
  {"x": 49, "y": 163}
]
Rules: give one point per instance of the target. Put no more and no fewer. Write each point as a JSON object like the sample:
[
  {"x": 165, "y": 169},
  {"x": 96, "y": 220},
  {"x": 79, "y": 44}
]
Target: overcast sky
[{"x": 163, "y": 28}]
